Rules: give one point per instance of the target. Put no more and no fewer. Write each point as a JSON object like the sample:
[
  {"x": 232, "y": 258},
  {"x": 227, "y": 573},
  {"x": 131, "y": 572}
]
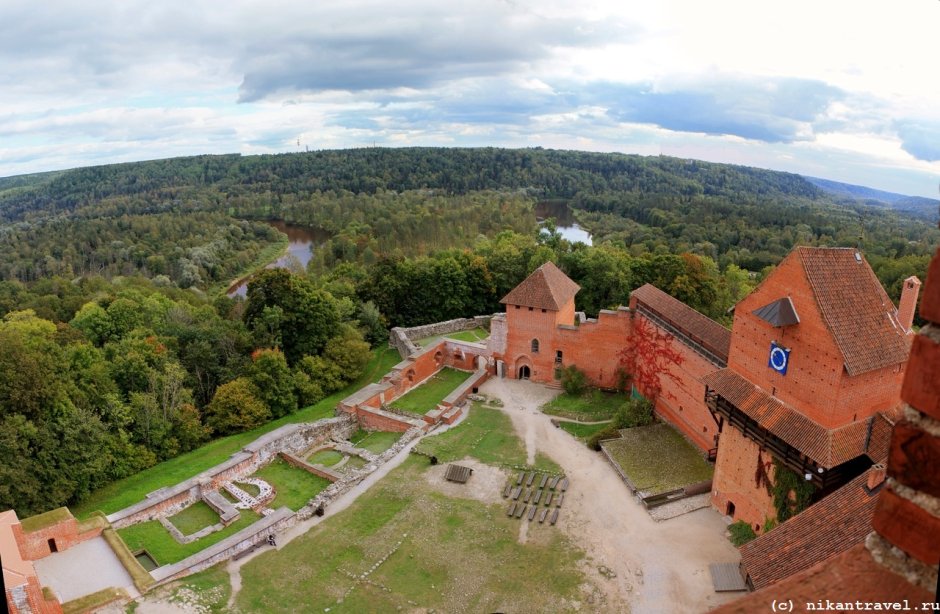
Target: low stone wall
[
  {"x": 463, "y": 390},
  {"x": 291, "y": 438},
  {"x": 281, "y": 520},
  {"x": 319, "y": 471},
  {"x": 247, "y": 538},
  {"x": 403, "y": 338}
]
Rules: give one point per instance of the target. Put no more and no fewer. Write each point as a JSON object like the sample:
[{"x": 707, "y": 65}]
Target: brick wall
[
  {"x": 907, "y": 517},
  {"x": 816, "y": 382},
  {"x": 734, "y": 480},
  {"x": 34, "y": 545}
]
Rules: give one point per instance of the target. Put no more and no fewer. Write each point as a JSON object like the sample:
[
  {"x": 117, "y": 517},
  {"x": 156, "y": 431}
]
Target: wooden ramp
[
  {"x": 458, "y": 473},
  {"x": 726, "y": 577}
]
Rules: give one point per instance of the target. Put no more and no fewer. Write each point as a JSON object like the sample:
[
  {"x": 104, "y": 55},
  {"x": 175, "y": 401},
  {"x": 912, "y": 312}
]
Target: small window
[
  {"x": 535, "y": 346},
  {"x": 530, "y": 309},
  {"x": 543, "y": 311},
  {"x": 517, "y": 306},
  {"x": 558, "y": 356}
]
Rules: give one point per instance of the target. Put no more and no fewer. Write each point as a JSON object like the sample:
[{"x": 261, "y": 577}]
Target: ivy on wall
[{"x": 792, "y": 494}]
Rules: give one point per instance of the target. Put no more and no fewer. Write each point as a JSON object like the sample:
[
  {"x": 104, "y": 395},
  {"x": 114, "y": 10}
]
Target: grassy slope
[
  {"x": 130, "y": 490},
  {"x": 426, "y": 396}
]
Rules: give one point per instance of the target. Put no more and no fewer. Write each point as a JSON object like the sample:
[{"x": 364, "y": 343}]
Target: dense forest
[{"x": 122, "y": 350}]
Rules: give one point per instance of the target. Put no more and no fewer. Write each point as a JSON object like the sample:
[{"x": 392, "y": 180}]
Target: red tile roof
[
  {"x": 546, "y": 288},
  {"x": 828, "y": 448},
  {"x": 862, "y": 319},
  {"x": 825, "y": 529},
  {"x": 700, "y": 328}
]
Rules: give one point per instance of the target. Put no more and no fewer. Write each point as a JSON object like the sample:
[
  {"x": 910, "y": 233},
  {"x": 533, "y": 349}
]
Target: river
[
  {"x": 302, "y": 240},
  {"x": 564, "y": 220}
]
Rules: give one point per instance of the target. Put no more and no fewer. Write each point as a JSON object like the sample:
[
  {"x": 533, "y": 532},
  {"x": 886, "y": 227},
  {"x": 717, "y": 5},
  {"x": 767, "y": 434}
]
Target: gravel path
[{"x": 659, "y": 566}]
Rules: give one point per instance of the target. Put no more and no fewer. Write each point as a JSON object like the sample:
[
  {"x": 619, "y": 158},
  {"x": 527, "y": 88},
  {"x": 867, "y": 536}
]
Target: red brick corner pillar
[{"x": 907, "y": 516}]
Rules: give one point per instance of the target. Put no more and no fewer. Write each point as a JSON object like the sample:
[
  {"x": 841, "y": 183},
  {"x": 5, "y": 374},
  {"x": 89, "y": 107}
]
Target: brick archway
[{"x": 523, "y": 368}]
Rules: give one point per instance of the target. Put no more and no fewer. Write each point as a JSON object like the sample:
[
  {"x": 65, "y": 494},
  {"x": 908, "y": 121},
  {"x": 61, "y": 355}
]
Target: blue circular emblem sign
[{"x": 779, "y": 358}]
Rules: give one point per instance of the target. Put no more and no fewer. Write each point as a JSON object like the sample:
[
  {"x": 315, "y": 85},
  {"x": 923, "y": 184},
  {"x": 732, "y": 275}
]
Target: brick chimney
[
  {"x": 876, "y": 475},
  {"x": 908, "y": 302}
]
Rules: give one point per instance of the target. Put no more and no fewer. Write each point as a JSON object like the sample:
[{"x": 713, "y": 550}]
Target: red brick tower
[
  {"x": 813, "y": 379},
  {"x": 534, "y": 310}
]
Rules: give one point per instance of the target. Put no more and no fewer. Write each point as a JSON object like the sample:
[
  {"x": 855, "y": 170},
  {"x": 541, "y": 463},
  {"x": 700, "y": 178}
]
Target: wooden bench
[
  {"x": 564, "y": 485},
  {"x": 538, "y": 497},
  {"x": 511, "y": 510},
  {"x": 520, "y": 510},
  {"x": 554, "y": 517},
  {"x": 507, "y": 491},
  {"x": 531, "y": 477},
  {"x": 554, "y": 481},
  {"x": 532, "y": 511},
  {"x": 543, "y": 515},
  {"x": 521, "y": 477},
  {"x": 543, "y": 480}
]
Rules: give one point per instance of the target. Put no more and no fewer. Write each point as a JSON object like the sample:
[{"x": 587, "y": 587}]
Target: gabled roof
[
  {"x": 827, "y": 447},
  {"x": 779, "y": 313},
  {"x": 856, "y": 309},
  {"x": 825, "y": 529},
  {"x": 546, "y": 288},
  {"x": 700, "y": 328}
]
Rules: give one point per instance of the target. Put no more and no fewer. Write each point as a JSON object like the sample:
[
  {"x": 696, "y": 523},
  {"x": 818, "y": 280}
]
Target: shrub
[
  {"x": 635, "y": 412},
  {"x": 741, "y": 533},
  {"x": 573, "y": 380}
]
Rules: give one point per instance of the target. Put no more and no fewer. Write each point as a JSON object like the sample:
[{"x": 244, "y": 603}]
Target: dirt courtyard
[{"x": 659, "y": 566}]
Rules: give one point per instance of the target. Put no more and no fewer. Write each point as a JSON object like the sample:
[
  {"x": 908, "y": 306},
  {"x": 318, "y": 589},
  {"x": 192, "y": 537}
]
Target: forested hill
[
  {"x": 184, "y": 218},
  {"x": 912, "y": 205},
  {"x": 544, "y": 173}
]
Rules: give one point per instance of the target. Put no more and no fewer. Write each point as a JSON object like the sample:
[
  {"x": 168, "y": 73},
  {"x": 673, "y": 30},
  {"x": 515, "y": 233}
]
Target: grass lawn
[
  {"x": 449, "y": 554},
  {"x": 194, "y": 518},
  {"x": 425, "y": 397},
  {"x": 354, "y": 462},
  {"x": 151, "y": 536},
  {"x": 294, "y": 486},
  {"x": 327, "y": 458},
  {"x": 589, "y": 407},
  {"x": 486, "y": 434},
  {"x": 658, "y": 459},
  {"x": 130, "y": 490},
  {"x": 476, "y": 334},
  {"x": 374, "y": 441},
  {"x": 583, "y": 431}
]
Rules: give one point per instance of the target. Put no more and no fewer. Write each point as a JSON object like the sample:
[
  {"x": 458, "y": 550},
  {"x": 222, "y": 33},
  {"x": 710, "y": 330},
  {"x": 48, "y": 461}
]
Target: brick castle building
[{"x": 810, "y": 373}]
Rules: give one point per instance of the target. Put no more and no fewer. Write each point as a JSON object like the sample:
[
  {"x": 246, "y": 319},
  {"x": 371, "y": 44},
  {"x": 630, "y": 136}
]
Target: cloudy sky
[{"x": 847, "y": 90}]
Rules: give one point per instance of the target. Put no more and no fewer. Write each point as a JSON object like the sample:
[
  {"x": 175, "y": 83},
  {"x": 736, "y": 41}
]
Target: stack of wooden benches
[{"x": 530, "y": 498}]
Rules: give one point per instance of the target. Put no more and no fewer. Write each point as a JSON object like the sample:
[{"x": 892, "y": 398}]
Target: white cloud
[{"x": 837, "y": 89}]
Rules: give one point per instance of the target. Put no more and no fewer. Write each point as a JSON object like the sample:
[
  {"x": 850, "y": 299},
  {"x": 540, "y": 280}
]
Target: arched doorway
[{"x": 524, "y": 372}]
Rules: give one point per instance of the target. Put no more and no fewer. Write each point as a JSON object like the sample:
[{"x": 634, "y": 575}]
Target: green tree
[
  {"x": 235, "y": 408},
  {"x": 273, "y": 382}
]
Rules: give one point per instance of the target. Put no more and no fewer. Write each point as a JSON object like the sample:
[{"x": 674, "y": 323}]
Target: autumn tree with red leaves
[{"x": 649, "y": 357}]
